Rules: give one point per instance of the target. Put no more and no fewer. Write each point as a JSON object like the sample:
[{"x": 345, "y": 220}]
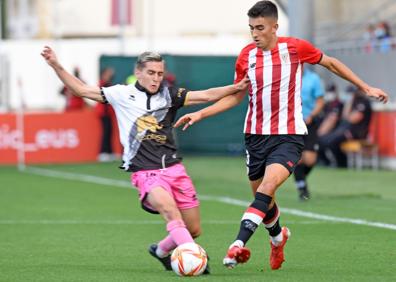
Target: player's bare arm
[
  {"x": 215, "y": 94},
  {"x": 73, "y": 83},
  {"x": 340, "y": 69},
  {"x": 222, "y": 105}
]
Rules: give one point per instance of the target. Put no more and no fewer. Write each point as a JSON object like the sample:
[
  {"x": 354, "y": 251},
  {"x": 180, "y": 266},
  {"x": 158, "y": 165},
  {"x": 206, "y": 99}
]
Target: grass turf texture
[{"x": 52, "y": 229}]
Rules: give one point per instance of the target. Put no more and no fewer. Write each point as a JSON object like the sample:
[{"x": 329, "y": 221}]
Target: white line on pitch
[
  {"x": 122, "y": 222},
  {"x": 227, "y": 200}
]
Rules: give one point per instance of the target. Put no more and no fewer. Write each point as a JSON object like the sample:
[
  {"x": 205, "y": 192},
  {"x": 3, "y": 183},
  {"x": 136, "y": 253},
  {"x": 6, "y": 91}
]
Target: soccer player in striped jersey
[
  {"x": 145, "y": 113},
  {"x": 274, "y": 125}
]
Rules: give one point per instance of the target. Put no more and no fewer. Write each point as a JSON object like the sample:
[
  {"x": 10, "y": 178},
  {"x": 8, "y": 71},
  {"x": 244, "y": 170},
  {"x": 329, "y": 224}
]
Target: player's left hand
[
  {"x": 188, "y": 120},
  {"x": 378, "y": 94}
]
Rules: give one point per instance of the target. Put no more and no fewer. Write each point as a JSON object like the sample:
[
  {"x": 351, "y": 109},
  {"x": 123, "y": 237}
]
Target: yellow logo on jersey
[
  {"x": 179, "y": 93},
  {"x": 148, "y": 123}
]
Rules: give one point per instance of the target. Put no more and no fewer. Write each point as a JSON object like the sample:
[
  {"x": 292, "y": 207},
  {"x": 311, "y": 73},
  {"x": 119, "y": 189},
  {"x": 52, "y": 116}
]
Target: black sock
[
  {"x": 307, "y": 170},
  {"x": 275, "y": 229},
  {"x": 299, "y": 176},
  {"x": 253, "y": 216},
  {"x": 272, "y": 214}
]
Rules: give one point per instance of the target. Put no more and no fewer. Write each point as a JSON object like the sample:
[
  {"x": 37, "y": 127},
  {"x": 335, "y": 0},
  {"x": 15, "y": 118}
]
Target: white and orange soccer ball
[{"x": 189, "y": 259}]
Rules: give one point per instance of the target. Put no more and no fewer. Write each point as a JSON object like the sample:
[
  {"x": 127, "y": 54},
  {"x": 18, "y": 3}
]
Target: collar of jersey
[{"x": 141, "y": 88}]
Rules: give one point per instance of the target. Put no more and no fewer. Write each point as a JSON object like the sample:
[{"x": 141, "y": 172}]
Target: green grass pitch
[{"x": 62, "y": 223}]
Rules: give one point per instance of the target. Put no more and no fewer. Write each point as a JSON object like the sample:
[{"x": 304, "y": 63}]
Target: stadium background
[
  {"x": 66, "y": 217},
  {"x": 200, "y": 52}
]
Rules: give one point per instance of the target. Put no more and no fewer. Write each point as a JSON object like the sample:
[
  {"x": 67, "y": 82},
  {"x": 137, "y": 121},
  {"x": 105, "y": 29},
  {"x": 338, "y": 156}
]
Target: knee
[
  {"x": 268, "y": 187},
  {"x": 195, "y": 232}
]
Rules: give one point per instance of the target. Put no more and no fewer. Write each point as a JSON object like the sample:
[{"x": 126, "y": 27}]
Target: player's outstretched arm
[
  {"x": 220, "y": 106},
  {"x": 215, "y": 94},
  {"x": 73, "y": 83},
  {"x": 340, "y": 69}
]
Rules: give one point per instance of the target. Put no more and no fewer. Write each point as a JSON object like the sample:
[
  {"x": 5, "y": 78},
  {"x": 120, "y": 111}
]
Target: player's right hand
[
  {"x": 49, "y": 56},
  {"x": 243, "y": 84},
  {"x": 188, "y": 120},
  {"x": 378, "y": 94}
]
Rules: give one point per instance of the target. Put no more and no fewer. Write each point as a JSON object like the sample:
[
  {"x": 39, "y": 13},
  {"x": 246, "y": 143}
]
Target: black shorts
[
  {"x": 263, "y": 150},
  {"x": 311, "y": 142}
]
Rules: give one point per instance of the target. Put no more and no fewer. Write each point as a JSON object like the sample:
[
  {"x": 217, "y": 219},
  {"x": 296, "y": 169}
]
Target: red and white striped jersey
[{"x": 275, "y": 85}]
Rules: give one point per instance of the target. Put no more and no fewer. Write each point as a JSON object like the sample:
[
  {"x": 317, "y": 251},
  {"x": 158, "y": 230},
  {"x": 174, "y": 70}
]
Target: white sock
[
  {"x": 237, "y": 243},
  {"x": 160, "y": 253},
  {"x": 277, "y": 240}
]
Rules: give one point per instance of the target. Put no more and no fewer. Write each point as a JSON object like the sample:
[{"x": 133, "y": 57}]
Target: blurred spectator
[
  {"x": 330, "y": 118},
  {"x": 354, "y": 125},
  {"x": 169, "y": 79},
  {"x": 106, "y": 115},
  {"x": 312, "y": 93},
  {"x": 73, "y": 103},
  {"x": 383, "y": 35},
  {"x": 369, "y": 38},
  {"x": 332, "y": 111}
]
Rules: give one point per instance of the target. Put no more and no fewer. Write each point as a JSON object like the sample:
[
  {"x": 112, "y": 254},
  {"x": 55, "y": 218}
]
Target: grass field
[{"x": 70, "y": 223}]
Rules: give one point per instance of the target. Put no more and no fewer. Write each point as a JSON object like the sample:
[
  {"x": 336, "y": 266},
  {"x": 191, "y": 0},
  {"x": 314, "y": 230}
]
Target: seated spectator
[
  {"x": 329, "y": 118},
  {"x": 332, "y": 111},
  {"x": 354, "y": 125}
]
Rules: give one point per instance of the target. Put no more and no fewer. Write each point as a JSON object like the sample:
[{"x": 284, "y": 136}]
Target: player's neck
[{"x": 272, "y": 44}]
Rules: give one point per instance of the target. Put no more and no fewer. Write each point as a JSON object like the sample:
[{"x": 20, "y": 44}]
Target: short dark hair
[
  {"x": 147, "y": 57},
  {"x": 263, "y": 9}
]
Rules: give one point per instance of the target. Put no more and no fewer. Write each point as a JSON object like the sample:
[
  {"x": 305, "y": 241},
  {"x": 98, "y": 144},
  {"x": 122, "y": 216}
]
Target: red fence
[{"x": 383, "y": 132}]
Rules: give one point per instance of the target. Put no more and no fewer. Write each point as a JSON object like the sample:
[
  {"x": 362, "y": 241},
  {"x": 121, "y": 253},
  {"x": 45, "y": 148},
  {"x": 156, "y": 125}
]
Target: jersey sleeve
[
  {"x": 307, "y": 53},
  {"x": 112, "y": 94},
  {"x": 240, "y": 68},
  {"x": 178, "y": 96}
]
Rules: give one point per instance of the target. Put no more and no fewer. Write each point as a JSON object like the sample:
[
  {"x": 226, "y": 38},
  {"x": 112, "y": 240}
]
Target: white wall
[
  {"x": 150, "y": 17},
  {"x": 215, "y": 27},
  {"x": 40, "y": 86}
]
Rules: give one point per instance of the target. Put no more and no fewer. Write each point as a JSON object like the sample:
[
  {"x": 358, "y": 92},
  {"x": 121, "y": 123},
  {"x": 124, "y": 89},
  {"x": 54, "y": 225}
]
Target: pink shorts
[{"x": 173, "y": 179}]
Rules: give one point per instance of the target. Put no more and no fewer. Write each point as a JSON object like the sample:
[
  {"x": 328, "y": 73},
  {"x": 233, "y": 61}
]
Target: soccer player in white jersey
[
  {"x": 274, "y": 125},
  {"x": 145, "y": 114}
]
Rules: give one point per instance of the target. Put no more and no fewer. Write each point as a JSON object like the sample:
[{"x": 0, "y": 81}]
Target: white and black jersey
[{"x": 145, "y": 124}]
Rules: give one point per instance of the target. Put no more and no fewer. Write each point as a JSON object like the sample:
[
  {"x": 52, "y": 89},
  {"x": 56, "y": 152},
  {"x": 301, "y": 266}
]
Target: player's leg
[
  {"x": 308, "y": 160},
  {"x": 186, "y": 199},
  {"x": 256, "y": 151},
  {"x": 162, "y": 201},
  {"x": 281, "y": 163},
  {"x": 192, "y": 219},
  {"x": 156, "y": 197},
  {"x": 301, "y": 172},
  {"x": 275, "y": 175}
]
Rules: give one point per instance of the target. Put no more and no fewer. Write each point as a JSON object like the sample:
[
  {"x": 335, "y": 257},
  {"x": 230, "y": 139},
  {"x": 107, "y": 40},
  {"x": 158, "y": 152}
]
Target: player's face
[
  {"x": 151, "y": 76},
  {"x": 263, "y": 31}
]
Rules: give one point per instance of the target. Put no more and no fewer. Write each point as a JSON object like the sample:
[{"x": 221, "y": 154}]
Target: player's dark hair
[
  {"x": 263, "y": 9},
  {"x": 147, "y": 57}
]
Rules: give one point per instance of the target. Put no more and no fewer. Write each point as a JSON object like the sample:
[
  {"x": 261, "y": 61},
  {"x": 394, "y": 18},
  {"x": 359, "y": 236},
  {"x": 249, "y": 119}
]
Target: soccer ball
[{"x": 189, "y": 259}]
